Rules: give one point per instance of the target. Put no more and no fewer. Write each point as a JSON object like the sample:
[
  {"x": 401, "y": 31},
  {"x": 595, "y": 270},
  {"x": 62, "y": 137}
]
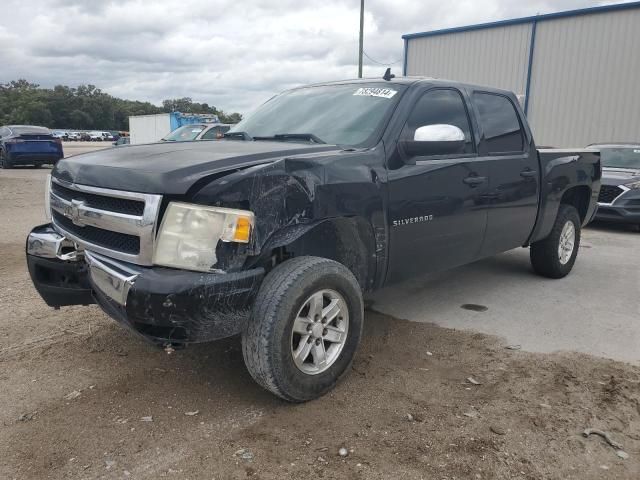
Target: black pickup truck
[{"x": 324, "y": 193}]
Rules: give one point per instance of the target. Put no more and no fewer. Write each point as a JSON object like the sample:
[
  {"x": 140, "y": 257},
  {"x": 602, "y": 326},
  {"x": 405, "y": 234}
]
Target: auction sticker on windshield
[{"x": 375, "y": 92}]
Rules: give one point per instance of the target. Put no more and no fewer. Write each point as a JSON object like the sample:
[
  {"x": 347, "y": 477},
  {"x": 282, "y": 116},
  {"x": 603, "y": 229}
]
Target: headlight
[
  {"x": 47, "y": 198},
  {"x": 633, "y": 186},
  {"x": 190, "y": 233}
]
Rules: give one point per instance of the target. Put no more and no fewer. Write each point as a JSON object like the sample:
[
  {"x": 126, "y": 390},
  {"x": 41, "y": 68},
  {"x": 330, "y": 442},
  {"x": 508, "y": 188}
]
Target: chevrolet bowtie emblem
[{"x": 72, "y": 212}]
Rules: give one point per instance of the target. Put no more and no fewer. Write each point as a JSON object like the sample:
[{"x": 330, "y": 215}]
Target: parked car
[
  {"x": 85, "y": 137},
  {"x": 96, "y": 136},
  {"x": 64, "y": 136},
  {"x": 619, "y": 199},
  {"x": 73, "y": 136},
  {"x": 275, "y": 232},
  {"x": 28, "y": 145},
  {"x": 107, "y": 137},
  {"x": 121, "y": 141},
  {"x": 197, "y": 131}
]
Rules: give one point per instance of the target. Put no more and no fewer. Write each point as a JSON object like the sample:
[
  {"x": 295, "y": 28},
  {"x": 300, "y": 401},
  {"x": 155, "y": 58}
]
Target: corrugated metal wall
[
  {"x": 584, "y": 79},
  {"x": 585, "y": 82},
  {"x": 494, "y": 56}
]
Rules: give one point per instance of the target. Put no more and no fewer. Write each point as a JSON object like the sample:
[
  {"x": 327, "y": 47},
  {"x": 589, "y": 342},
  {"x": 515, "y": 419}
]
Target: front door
[{"x": 437, "y": 213}]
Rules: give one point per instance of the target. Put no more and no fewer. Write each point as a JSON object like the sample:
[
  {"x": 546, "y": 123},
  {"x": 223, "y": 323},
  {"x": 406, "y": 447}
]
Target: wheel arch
[
  {"x": 346, "y": 240},
  {"x": 579, "y": 197}
]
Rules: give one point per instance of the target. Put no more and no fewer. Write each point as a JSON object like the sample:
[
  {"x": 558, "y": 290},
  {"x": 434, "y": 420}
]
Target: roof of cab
[{"x": 411, "y": 81}]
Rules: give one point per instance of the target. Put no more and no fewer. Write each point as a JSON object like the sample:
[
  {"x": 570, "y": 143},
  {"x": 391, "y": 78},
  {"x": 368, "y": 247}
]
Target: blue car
[{"x": 28, "y": 145}]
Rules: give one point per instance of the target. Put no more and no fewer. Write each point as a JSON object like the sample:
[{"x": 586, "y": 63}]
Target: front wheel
[
  {"x": 305, "y": 327},
  {"x": 554, "y": 256}
]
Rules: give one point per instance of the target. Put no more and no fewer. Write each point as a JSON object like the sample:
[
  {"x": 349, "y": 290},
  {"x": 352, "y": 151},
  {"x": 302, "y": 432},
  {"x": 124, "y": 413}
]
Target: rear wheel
[
  {"x": 554, "y": 256},
  {"x": 4, "y": 160},
  {"x": 305, "y": 327}
]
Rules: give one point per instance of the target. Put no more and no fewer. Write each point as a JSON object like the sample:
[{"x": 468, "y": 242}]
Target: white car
[
  {"x": 73, "y": 136},
  {"x": 59, "y": 134},
  {"x": 95, "y": 137}
]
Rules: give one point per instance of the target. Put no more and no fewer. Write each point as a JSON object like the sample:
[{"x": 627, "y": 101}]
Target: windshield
[
  {"x": 184, "y": 134},
  {"x": 336, "y": 114},
  {"x": 620, "y": 157}
]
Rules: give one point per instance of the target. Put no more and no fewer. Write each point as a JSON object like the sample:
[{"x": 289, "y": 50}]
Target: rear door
[
  {"x": 436, "y": 213},
  {"x": 506, "y": 147}
]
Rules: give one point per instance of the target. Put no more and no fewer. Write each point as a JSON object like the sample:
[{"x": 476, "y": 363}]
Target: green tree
[{"x": 85, "y": 107}]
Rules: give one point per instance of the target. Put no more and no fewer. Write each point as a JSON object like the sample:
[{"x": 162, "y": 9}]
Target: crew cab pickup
[{"x": 324, "y": 193}]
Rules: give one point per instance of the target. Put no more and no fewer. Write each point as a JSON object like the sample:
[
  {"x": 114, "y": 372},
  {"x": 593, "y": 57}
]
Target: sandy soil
[{"x": 82, "y": 398}]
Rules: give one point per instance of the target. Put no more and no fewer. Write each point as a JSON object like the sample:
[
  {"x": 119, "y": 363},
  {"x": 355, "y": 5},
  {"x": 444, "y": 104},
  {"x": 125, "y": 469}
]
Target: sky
[{"x": 231, "y": 54}]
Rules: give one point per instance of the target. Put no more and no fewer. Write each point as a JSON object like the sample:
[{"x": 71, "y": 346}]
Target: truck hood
[
  {"x": 620, "y": 176},
  {"x": 172, "y": 168}
]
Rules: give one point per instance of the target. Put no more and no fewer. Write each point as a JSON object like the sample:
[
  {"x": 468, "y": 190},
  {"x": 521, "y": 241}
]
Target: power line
[{"x": 380, "y": 63}]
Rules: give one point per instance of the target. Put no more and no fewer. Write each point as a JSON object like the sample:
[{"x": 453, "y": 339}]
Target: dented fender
[{"x": 306, "y": 203}]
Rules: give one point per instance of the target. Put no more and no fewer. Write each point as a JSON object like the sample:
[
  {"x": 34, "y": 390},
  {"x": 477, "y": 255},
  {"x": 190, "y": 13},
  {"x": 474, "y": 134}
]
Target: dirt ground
[{"x": 82, "y": 398}]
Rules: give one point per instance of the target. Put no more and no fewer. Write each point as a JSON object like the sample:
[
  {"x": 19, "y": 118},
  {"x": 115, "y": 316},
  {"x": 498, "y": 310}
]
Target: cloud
[{"x": 230, "y": 54}]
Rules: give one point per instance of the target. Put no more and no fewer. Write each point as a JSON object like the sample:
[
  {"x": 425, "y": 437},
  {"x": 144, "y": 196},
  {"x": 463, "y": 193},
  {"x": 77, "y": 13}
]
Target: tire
[
  {"x": 270, "y": 343},
  {"x": 546, "y": 258},
  {"x": 4, "y": 160}
]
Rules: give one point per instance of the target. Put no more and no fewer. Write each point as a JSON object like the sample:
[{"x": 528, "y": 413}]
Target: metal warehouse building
[{"x": 577, "y": 73}]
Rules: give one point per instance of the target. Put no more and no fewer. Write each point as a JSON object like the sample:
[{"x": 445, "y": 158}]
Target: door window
[
  {"x": 440, "y": 106},
  {"x": 215, "y": 132},
  {"x": 499, "y": 120}
]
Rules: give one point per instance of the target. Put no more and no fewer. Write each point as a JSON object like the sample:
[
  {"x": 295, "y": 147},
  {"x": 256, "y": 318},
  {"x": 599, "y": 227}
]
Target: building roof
[{"x": 517, "y": 21}]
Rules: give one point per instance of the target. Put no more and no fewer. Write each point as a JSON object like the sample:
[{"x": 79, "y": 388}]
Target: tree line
[{"x": 85, "y": 107}]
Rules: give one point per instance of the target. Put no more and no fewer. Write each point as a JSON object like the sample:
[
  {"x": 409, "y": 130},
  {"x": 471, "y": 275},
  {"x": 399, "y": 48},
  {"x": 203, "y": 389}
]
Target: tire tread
[
  {"x": 544, "y": 253},
  {"x": 274, "y": 289}
]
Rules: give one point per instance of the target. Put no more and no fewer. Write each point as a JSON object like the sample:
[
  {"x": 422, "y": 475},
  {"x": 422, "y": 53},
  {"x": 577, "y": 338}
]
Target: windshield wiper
[
  {"x": 239, "y": 136},
  {"x": 279, "y": 137}
]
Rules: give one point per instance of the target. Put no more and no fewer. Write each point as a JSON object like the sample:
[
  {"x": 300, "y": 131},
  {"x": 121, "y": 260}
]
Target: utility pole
[{"x": 361, "y": 38}]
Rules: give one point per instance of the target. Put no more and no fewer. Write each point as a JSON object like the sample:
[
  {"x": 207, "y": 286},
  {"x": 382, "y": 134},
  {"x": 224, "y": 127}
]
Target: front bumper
[
  {"x": 624, "y": 209},
  {"x": 163, "y": 305}
]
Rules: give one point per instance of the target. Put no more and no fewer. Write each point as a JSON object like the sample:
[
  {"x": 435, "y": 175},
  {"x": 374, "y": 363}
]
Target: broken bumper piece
[{"x": 165, "y": 306}]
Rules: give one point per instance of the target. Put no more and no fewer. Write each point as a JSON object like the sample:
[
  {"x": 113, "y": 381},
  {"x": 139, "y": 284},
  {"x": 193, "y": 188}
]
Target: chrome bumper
[
  {"x": 113, "y": 279},
  {"x": 162, "y": 305},
  {"x": 51, "y": 245}
]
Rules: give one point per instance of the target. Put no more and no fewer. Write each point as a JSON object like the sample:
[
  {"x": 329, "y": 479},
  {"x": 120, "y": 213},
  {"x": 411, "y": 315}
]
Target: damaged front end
[
  {"x": 163, "y": 305},
  {"x": 103, "y": 244}
]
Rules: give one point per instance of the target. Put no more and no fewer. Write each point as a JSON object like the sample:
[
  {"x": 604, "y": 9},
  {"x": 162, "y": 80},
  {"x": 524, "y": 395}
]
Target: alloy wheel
[
  {"x": 319, "y": 331},
  {"x": 567, "y": 242}
]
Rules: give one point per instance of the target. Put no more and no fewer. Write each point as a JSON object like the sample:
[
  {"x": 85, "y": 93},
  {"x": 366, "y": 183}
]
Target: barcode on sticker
[{"x": 375, "y": 92}]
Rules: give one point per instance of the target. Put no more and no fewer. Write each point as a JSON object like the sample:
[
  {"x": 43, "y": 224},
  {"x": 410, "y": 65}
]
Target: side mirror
[{"x": 437, "y": 139}]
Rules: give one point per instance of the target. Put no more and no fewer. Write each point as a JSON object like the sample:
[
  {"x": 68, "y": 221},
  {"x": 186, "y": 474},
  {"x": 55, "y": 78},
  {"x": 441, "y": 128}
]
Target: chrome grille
[
  {"x": 118, "y": 224},
  {"x": 608, "y": 193},
  {"x": 112, "y": 204},
  {"x": 121, "y": 242}
]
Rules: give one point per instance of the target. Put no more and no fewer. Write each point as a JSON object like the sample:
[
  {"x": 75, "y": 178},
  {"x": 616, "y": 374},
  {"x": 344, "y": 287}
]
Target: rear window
[
  {"x": 499, "y": 120},
  {"x": 30, "y": 130}
]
